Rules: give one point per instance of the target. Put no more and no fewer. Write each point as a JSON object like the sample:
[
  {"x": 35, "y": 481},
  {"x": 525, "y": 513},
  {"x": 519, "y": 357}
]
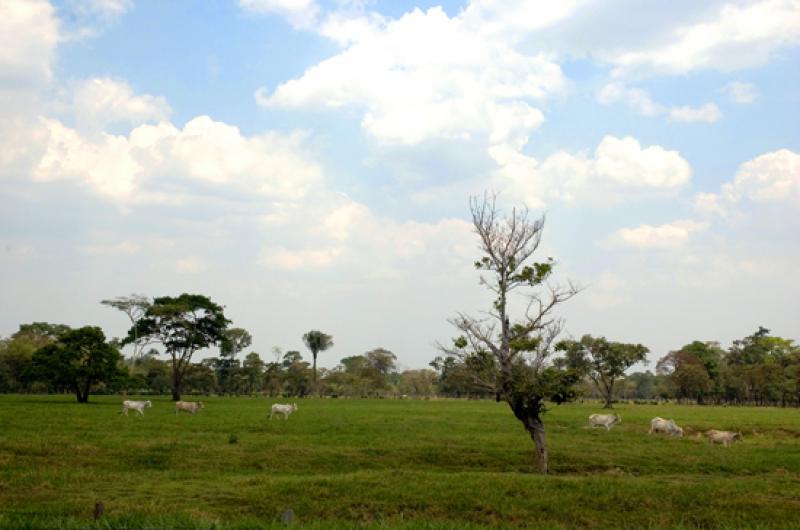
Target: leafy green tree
[
  {"x": 382, "y": 361},
  {"x": 183, "y": 325},
  {"x": 198, "y": 378},
  {"x": 317, "y": 341},
  {"x": 511, "y": 359},
  {"x": 234, "y": 341},
  {"x": 603, "y": 361},
  {"x": 273, "y": 379},
  {"x": 291, "y": 357},
  {"x": 417, "y": 382},
  {"x": 16, "y": 353},
  {"x": 227, "y": 368},
  {"x": 645, "y": 385},
  {"x": 764, "y": 366},
  {"x": 78, "y": 359},
  {"x": 693, "y": 370},
  {"x": 297, "y": 378},
  {"x": 252, "y": 370},
  {"x": 381, "y": 372},
  {"x": 456, "y": 379}
]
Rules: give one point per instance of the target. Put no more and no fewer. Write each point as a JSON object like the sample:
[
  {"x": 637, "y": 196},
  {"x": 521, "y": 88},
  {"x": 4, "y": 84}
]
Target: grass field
[{"x": 389, "y": 464}]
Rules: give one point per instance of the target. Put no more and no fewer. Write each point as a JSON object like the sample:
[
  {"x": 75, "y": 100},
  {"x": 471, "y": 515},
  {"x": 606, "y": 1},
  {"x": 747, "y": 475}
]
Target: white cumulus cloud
[
  {"x": 101, "y": 101},
  {"x": 739, "y": 36},
  {"x": 425, "y": 76},
  {"x": 617, "y": 168},
  {"x": 771, "y": 177},
  {"x": 152, "y": 160},
  {"x": 662, "y": 236},
  {"x": 708, "y": 113},
  {"x": 29, "y": 32}
]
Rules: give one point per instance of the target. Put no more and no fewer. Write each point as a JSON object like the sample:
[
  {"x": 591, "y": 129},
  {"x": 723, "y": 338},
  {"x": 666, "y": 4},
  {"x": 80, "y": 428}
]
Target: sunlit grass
[{"x": 389, "y": 463}]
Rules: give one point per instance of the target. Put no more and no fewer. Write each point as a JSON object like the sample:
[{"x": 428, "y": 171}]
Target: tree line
[{"x": 759, "y": 369}]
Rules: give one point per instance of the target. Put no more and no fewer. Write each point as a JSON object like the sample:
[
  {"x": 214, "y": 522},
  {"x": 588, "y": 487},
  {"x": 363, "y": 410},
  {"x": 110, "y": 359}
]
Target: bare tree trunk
[
  {"x": 535, "y": 428},
  {"x": 609, "y": 395},
  {"x": 528, "y": 414},
  {"x": 176, "y": 385}
]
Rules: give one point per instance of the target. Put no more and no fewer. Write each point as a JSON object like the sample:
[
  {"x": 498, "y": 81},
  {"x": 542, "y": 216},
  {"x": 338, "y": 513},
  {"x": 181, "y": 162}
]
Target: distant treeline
[{"x": 759, "y": 369}]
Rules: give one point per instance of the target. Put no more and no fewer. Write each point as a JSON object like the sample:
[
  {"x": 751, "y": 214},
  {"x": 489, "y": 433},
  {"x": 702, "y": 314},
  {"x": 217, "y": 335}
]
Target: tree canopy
[
  {"x": 77, "y": 359},
  {"x": 317, "y": 341},
  {"x": 602, "y": 360},
  {"x": 183, "y": 325}
]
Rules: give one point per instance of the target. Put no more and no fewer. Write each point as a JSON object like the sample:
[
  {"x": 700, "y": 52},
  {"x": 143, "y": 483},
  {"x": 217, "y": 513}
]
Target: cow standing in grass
[
  {"x": 604, "y": 420},
  {"x": 192, "y": 407},
  {"x": 666, "y": 426},
  {"x": 278, "y": 408},
  {"x": 138, "y": 406},
  {"x": 725, "y": 438}
]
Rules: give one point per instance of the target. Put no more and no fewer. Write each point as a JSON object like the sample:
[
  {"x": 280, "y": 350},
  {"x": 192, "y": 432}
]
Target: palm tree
[{"x": 317, "y": 341}]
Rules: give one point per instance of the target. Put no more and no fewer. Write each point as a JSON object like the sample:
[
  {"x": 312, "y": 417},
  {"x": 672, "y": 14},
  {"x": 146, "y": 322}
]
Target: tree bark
[
  {"x": 609, "y": 396},
  {"x": 528, "y": 414},
  {"x": 81, "y": 396},
  {"x": 176, "y": 385},
  {"x": 535, "y": 428}
]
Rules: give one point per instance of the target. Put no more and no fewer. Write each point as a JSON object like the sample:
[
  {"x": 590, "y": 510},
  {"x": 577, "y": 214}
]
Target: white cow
[
  {"x": 192, "y": 407},
  {"x": 666, "y": 426},
  {"x": 725, "y": 438},
  {"x": 138, "y": 406},
  {"x": 604, "y": 420},
  {"x": 278, "y": 408}
]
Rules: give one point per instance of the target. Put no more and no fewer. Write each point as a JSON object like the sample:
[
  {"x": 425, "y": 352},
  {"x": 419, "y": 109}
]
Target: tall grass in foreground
[{"x": 389, "y": 464}]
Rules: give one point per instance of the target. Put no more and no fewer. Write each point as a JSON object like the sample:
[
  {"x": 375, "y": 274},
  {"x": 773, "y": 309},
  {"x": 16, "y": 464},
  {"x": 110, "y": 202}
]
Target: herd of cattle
[
  {"x": 657, "y": 425},
  {"x": 669, "y": 427},
  {"x": 193, "y": 407}
]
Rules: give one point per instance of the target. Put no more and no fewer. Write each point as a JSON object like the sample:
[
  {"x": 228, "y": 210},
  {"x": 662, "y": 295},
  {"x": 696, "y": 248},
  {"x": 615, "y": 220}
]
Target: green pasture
[{"x": 389, "y": 464}]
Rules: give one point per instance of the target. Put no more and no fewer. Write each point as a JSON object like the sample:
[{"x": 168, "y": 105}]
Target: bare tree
[
  {"x": 134, "y": 306},
  {"x": 511, "y": 359}
]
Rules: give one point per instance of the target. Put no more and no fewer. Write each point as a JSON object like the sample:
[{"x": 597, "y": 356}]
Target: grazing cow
[
  {"x": 278, "y": 408},
  {"x": 138, "y": 406},
  {"x": 604, "y": 420},
  {"x": 188, "y": 406},
  {"x": 665, "y": 426},
  {"x": 725, "y": 438}
]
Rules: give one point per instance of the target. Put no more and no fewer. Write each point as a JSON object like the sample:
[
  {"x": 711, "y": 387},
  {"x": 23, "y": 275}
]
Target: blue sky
[{"x": 308, "y": 164}]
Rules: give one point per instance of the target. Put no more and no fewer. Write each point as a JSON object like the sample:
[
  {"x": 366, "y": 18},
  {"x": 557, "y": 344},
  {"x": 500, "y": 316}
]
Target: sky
[{"x": 309, "y": 164}]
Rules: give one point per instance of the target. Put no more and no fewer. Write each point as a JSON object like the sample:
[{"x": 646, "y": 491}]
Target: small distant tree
[
  {"x": 317, "y": 341},
  {"x": 134, "y": 306},
  {"x": 291, "y": 357},
  {"x": 78, "y": 359},
  {"x": 16, "y": 353},
  {"x": 417, "y": 382},
  {"x": 511, "y": 358},
  {"x": 603, "y": 361},
  {"x": 381, "y": 370},
  {"x": 693, "y": 371},
  {"x": 253, "y": 370},
  {"x": 183, "y": 325},
  {"x": 234, "y": 341},
  {"x": 296, "y": 376}
]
